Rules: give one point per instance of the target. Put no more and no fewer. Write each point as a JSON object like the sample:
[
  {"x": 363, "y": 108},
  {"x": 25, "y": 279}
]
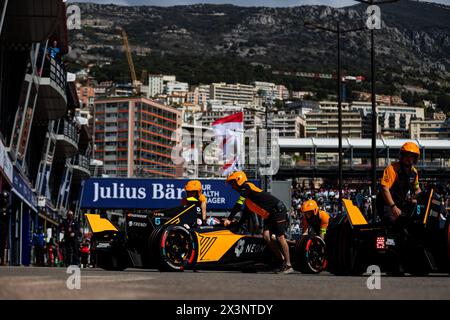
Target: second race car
[{"x": 418, "y": 244}]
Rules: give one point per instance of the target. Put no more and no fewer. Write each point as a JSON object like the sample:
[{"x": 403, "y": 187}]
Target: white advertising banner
[{"x": 5, "y": 163}]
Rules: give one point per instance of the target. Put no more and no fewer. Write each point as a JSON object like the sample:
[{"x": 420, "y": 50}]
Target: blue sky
[{"x": 270, "y": 3}]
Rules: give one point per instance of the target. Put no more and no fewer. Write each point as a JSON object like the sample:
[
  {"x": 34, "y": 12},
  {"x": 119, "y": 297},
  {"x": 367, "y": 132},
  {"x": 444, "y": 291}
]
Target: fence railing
[
  {"x": 334, "y": 164},
  {"x": 56, "y": 71},
  {"x": 68, "y": 129},
  {"x": 81, "y": 161}
]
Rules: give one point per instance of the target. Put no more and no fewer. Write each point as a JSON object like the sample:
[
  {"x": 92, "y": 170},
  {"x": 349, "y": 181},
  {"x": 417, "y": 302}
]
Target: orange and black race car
[
  {"x": 170, "y": 240},
  {"x": 418, "y": 244}
]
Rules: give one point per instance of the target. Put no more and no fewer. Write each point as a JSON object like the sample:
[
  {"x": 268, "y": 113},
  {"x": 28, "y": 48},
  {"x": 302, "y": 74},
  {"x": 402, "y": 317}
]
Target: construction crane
[
  {"x": 144, "y": 76},
  {"x": 126, "y": 45}
]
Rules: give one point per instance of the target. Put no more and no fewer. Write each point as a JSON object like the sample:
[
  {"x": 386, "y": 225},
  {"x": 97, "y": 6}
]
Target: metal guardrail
[{"x": 56, "y": 71}]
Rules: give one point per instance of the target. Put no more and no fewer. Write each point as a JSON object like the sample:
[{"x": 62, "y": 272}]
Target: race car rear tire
[
  {"x": 331, "y": 242},
  {"x": 350, "y": 256},
  {"x": 344, "y": 257},
  {"x": 173, "y": 248},
  {"x": 154, "y": 257},
  {"x": 310, "y": 255}
]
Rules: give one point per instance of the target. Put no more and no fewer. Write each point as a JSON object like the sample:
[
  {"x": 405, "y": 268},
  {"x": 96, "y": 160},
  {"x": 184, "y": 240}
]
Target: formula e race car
[
  {"x": 418, "y": 243},
  {"x": 171, "y": 240}
]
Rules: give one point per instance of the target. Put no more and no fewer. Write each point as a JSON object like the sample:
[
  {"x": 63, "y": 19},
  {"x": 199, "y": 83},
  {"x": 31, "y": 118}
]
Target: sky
[{"x": 262, "y": 3}]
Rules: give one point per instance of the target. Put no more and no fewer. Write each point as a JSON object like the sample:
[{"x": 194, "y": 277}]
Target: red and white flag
[{"x": 230, "y": 132}]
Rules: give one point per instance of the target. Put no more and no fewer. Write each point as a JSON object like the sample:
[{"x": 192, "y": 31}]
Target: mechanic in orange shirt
[
  {"x": 314, "y": 218},
  {"x": 399, "y": 185},
  {"x": 271, "y": 209},
  {"x": 194, "y": 190}
]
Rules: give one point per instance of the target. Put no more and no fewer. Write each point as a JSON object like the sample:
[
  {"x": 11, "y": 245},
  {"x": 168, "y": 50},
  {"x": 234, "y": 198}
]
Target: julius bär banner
[{"x": 111, "y": 193}]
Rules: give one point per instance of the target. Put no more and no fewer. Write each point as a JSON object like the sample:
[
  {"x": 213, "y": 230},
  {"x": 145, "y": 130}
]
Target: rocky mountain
[{"x": 202, "y": 43}]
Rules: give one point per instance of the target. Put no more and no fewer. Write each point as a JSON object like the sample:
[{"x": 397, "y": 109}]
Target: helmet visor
[
  {"x": 192, "y": 193},
  {"x": 309, "y": 213}
]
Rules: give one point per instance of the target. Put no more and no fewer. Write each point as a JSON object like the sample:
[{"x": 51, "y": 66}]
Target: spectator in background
[
  {"x": 39, "y": 246},
  {"x": 71, "y": 240},
  {"x": 54, "y": 50},
  {"x": 85, "y": 251}
]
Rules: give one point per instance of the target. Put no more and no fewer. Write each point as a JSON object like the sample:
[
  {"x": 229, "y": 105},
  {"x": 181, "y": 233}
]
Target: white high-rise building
[
  {"x": 233, "y": 93},
  {"x": 155, "y": 85},
  {"x": 394, "y": 121},
  {"x": 175, "y": 86},
  {"x": 270, "y": 90}
]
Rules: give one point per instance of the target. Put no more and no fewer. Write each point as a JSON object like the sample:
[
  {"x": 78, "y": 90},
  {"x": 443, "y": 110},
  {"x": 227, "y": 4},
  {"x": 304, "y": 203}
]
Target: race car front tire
[
  {"x": 310, "y": 255},
  {"x": 173, "y": 248}
]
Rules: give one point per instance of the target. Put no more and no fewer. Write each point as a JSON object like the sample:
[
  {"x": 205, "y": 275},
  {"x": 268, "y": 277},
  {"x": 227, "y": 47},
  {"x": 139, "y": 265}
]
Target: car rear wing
[
  {"x": 354, "y": 215},
  {"x": 99, "y": 224},
  {"x": 435, "y": 210}
]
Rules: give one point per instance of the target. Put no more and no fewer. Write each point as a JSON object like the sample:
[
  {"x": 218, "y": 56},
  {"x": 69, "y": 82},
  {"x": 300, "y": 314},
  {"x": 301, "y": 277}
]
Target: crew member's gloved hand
[
  {"x": 227, "y": 222},
  {"x": 396, "y": 212}
]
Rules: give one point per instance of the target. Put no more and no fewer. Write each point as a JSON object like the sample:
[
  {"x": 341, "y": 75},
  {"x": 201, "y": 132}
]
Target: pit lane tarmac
[{"x": 51, "y": 283}]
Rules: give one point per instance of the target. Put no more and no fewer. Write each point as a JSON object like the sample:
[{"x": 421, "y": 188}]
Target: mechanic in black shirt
[{"x": 271, "y": 209}]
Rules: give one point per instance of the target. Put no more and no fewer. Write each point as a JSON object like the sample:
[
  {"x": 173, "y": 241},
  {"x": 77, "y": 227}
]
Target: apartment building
[
  {"x": 325, "y": 124},
  {"x": 393, "y": 120},
  {"x": 381, "y": 99},
  {"x": 425, "y": 129},
  {"x": 438, "y": 127},
  {"x": 197, "y": 97},
  {"x": 232, "y": 93},
  {"x": 86, "y": 95},
  {"x": 155, "y": 85},
  {"x": 301, "y": 94},
  {"x": 134, "y": 137},
  {"x": 253, "y": 115},
  {"x": 289, "y": 124},
  {"x": 332, "y": 106},
  {"x": 270, "y": 90},
  {"x": 176, "y": 87}
]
